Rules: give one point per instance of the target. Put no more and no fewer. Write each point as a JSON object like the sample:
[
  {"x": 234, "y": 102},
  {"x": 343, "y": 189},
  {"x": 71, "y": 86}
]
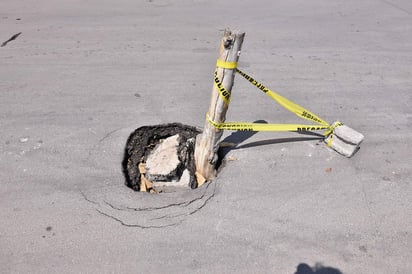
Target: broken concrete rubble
[
  {"x": 166, "y": 165},
  {"x": 163, "y": 162},
  {"x": 171, "y": 186},
  {"x": 167, "y": 151}
]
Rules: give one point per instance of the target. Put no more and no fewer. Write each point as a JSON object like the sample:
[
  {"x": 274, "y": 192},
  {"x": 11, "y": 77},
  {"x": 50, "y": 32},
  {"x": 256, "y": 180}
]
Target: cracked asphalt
[{"x": 76, "y": 78}]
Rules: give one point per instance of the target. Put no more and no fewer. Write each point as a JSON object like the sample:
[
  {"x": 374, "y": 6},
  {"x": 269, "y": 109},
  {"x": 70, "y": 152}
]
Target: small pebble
[
  {"x": 232, "y": 158},
  {"x": 24, "y": 139}
]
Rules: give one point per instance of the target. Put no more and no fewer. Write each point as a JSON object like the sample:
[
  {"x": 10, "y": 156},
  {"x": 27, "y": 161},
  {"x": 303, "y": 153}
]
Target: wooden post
[{"x": 207, "y": 143}]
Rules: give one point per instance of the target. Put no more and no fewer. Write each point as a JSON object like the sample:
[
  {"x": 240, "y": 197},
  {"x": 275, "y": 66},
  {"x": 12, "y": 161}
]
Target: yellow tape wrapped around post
[
  {"x": 300, "y": 111},
  {"x": 225, "y": 64},
  {"x": 207, "y": 143},
  {"x": 224, "y": 94},
  {"x": 347, "y": 142}
]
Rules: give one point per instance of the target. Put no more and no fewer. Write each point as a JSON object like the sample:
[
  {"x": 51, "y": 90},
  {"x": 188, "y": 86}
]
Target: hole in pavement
[{"x": 160, "y": 158}]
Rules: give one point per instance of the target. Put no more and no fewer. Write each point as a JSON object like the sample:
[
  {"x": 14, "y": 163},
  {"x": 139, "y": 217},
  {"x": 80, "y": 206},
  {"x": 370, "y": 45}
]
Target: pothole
[
  {"x": 160, "y": 158},
  {"x": 106, "y": 192}
]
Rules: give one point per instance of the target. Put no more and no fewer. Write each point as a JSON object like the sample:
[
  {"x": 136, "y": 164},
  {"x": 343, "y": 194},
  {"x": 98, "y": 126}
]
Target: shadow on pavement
[
  {"x": 317, "y": 269},
  {"x": 239, "y": 137}
]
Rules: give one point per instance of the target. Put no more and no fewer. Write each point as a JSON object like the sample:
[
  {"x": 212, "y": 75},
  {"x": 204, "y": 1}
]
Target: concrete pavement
[{"x": 83, "y": 75}]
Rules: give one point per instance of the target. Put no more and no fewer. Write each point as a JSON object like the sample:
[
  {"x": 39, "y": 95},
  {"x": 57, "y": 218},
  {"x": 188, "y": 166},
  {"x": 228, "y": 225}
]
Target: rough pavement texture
[{"x": 83, "y": 75}]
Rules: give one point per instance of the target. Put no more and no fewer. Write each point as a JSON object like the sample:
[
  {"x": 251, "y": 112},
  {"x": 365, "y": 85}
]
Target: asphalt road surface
[{"x": 82, "y": 75}]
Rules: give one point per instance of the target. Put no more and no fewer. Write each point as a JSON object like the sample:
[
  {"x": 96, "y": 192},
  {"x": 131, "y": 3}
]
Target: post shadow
[{"x": 238, "y": 137}]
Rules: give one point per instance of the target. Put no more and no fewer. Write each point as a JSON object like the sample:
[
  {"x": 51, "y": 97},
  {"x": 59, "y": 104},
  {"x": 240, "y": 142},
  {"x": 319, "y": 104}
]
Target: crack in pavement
[
  {"x": 183, "y": 204},
  {"x": 397, "y": 7},
  {"x": 205, "y": 202},
  {"x": 87, "y": 199},
  {"x": 137, "y": 225},
  {"x": 191, "y": 212},
  {"x": 173, "y": 219},
  {"x": 169, "y": 220},
  {"x": 108, "y": 134},
  {"x": 144, "y": 208},
  {"x": 96, "y": 145}
]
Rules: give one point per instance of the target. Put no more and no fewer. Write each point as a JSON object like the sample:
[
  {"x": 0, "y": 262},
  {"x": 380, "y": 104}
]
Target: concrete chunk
[
  {"x": 349, "y": 135},
  {"x": 163, "y": 161},
  {"x": 167, "y": 165},
  {"x": 170, "y": 186},
  {"x": 345, "y": 140}
]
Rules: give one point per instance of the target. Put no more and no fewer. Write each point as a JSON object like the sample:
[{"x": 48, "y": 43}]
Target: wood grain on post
[{"x": 207, "y": 143}]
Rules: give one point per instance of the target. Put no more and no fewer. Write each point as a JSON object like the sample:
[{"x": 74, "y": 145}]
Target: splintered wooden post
[{"x": 207, "y": 143}]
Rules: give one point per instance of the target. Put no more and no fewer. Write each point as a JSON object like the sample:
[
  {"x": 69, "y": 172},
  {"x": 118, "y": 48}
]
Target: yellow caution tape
[
  {"x": 329, "y": 132},
  {"x": 289, "y": 105},
  {"x": 332, "y": 128},
  {"x": 226, "y": 65},
  {"x": 330, "y": 141},
  {"x": 245, "y": 126},
  {"x": 224, "y": 94},
  {"x": 284, "y": 102}
]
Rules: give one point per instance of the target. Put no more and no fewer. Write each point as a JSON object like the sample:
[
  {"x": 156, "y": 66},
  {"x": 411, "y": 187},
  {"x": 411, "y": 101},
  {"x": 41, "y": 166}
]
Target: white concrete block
[
  {"x": 345, "y": 140},
  {"x": 163, "y": 159},
  {"x": 349, "y": 135}
]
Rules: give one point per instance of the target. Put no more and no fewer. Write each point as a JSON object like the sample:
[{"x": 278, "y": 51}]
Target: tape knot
[{"x": 329, "y": 133}]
